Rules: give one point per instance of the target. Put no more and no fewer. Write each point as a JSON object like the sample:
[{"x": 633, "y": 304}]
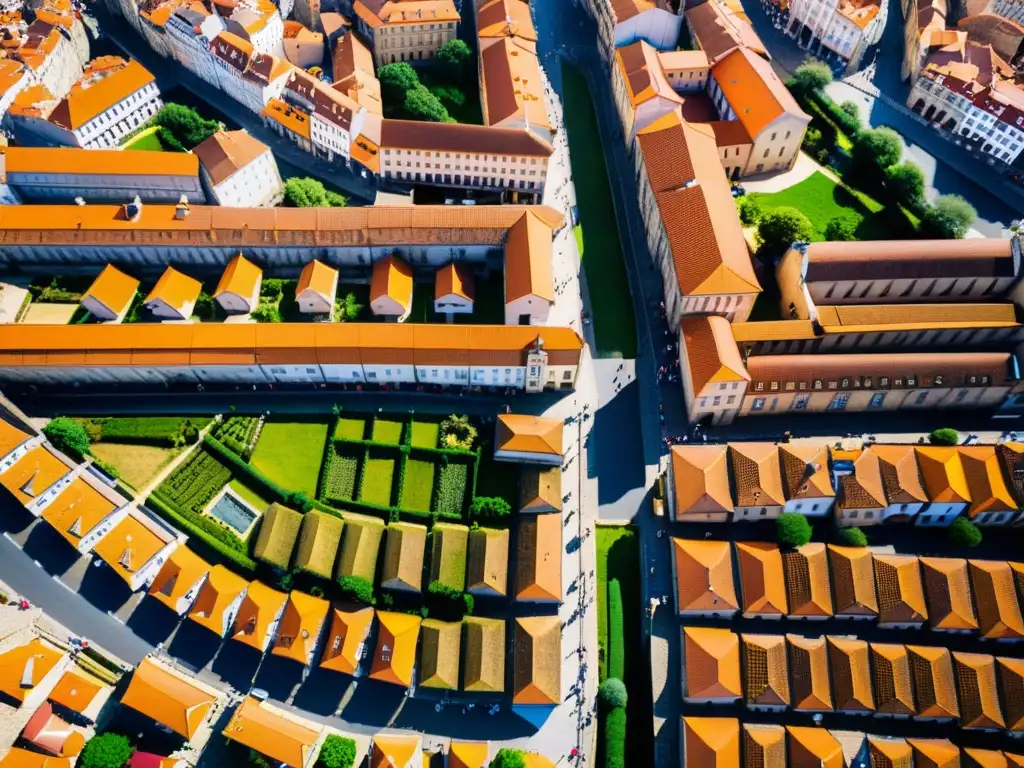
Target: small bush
[
  {"x": 780, "y": 228},
  {"x": 612, "y": 693},
  {"x": 749, "y": 210},
  {"x": 616, "y": 631},
  {"x": 964, "y": 533},
  {"x": 106, "y": 750},
  {"x": 615, "y": 738},
  {"x": 446, "y": 603},
  {"x": 337, "y": 752},
  {"x": 838, "y": 230},
  {"x": 509, "y": 758},
  {"x": 944, "y": 436},
  {"x": 357, "y": 589},
  {"x": 489, "y": 508},
  {"x": 792, "y": 529},
  {"x": 853, "y": 537},
  {"x": 68, "y": 436},
  {"x": 457, "y": 432}
]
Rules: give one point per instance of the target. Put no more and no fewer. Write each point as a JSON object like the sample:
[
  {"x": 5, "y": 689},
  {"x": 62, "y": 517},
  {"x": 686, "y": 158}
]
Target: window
[
  {"x": 774, "y": 135},
  {"x": 876, "y": 400},
  {"x": 853, "y": 514},
  {"x": 758, "y": 404},
  {"x": 921, "y": 397},
  {"x": 868, "y": 514},
  {"x": 800, "y": 402},
  {"x": 718, "y": 401},
  {"x": 766, "y": 152},
  {"x": 839, "y": 402}
]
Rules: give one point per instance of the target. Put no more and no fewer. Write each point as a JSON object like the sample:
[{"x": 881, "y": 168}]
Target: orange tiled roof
[
  {"x": 454, "y": 280},
  {"x": 220, "y": 590},
  {"x": 853, "y": 580},
  {"x": 700, "y": 475},
  {"x": 76, "y": 690},
  {"x": 935, "y": 753},
  {"x": 712, "y": 663},
  {"x": 529, "y": 434},
  {"x": 319, "y": 278},
  {"x": 985, "y": 480},
  {"x": 105, "y": 162},
  {"x": 900, "y": 474},
  {"x": 851, "y": 674},
  {"x": 943, "y": 473},
  {"x": 765, "y": 671},
  {"x": 764, "y": 745},
  {"x": 23, "y": 667},
  {"x": 537, "y": 662},
  {"x": 501, "y": 18},
  {"x": 643, "y": 74},
  {"x": 113, "y": 288},
  {"x": 756, "y": 474},
  {"x": 983, "y": 758},
  {"x": 182, "y": 570},
  {"x": 890, "y": 753},
  {"x": 107, "y": 81},
  {"x": 77, "y": 510},
  {"x": 528, "y": 260},
  {"x": 814, "y": 748},
  {"x": 805, "y": 471},
  {"x": 241, "y": 277},
  {"x": 704, "y": 580},
  {"x": 10, "y": 437},
  {"x": 762, "y": 583},
  {"x": 167, "y": 698},
  {"x": 17, "y": 757},
  {"x": 977, "y": 691},
  {"x": 863, "y": 488},
  {"x": 711, "y": 353},
  {"x": 713, "y": 742},
  {"x": 808, "y": 663},
  {"x": 271, "y": 734},
  {"x": 807, "y": 582},
  {"x": 754, "y": 92},
  {"x": 33, "y": 473},
  {"x": 934, "y": 686},
  {"x": 259, "y": 608},
  {"x": 129, "y": 547},
  {"x": 894, "y": 690},
  {"x": 175, "y": 289},
  {"x": 995, "y": 599},
  {"x": 397, "y": 635},
  {"x": 949, "y": 593},
  {"x": 900, "y": 589},
  {"x": 511, "y": 84},
  {"x": 300, "y": 627},
  {"x": 348, "y": 632},
  {"x": 1011, "y": 687},
  {"x": 392, "y": 277}
]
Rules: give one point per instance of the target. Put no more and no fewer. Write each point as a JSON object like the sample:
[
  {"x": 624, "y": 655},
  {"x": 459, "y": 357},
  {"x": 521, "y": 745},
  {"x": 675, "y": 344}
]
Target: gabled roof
[
  {"x": 900, "y": 589},
  {"x": 483, "y": 658},
  {"x": 528, "y": 260},
  {"x": 241, "y": 277},
  {"x": 181, "y": 571},
  {"x": 468, "y": 754},
  {"x": 977, "y": 691},
  {"x": 503, "y": 18},
  {"x": 345, "y": 638},
  {"x": 894, "y": 690},
  {"x": 10, "y": 437},
  {"x": 711, "y": 742},
  {"x": 985, "y": 480},
  {"x": 886, "y": 752},
  {"x": 1011, "y": 687},
  {"x": 700, "y": 475},
  {"x": 220, "y": 590},
  {"x": 128, "y": 547},
  {"x": 393, "y": 659},
  {"x": 454, "y": 280},
  {"x": 77, "y": 510},
  {"x": 762, "y": 583},
  {"x": 712, "y": 663},
  {"x": 226, "y": 152},
  {"x": 167, "y": 698},
  {"x": 704, "y": 580},
  {"x": 392, "y": 277},
  {"x": 537, "y": 661},
  {"x": 807, "y": 582},
  {"x": 23, "y": 667},
  {"x": 396, "y": 750},
  {"x": 33, "y": 474},
  {"x": 17, "y": 757},
  {"x": 900, "y": 474},
  {"x": 643, "y": 74},
  {"x": 528, "y": 434},
  {"x": 808, "y": 663},
  {"x": 949, "y": 593},
  {"x": 814, "y": 748},
  {"x": 175, "y": 289},
  {"x": 113, "y": 289},
  {"x": 259, "y": 608},
  {"x": 717, "y": 30},
  {"x": 360, "y": 545},
  {"x": 487, "y": 561},
  {"x": 107, "y": 80},
  {"x": 983, "y": 758},
  {"x": 318, "y": 545},
  {"x": 754, "y": 92},
  {"x": 540, "y": 489},
  {"x": 863, "y": 488},
  {"x": 539, "y": 559},
  {"x": 300, "y": 627},
  {"x": 78, "y": 691},
  {"x": 279, "y": 530},
  {"x": 711, "y": 353},
  {"x": 805, "y": 471},
  {"x": 764, "y": 745},
  {"x": 511, "y": 84},
  {"x": 943, "y": 474},
  {"x": 318, "y": 278},
  {"x": 934, "y": 681},
  {"x": 440, "y": 645},
  {"x": 853, "y": 580},
  {"x": 995, "y": 599},
  {"x": 765, "y": 671},
  {"x": 756, "y": 475},
  {"x": 403, "y": 556},
  {"x": 935, "y": 753},
  {"x": 851, "y": 674},
  {"x": 257, "y": 726}
]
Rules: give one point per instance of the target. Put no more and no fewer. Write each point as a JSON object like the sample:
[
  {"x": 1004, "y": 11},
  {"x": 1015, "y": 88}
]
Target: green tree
[
  {"x": 612, "y": 693},
  {"x": 875, "y": 150},
  {"x": 337, "y": 752},
  {"x": 614, "y": 732},
  {"x": 905, "y": 183},
  {"x": 792, "y": 529},
  {"x": 853, "y": 537},
  {"x": 106, "y": 750},
  {"x": 357, "y": 589},
  {"x": 780, "y": 228},
  {"x": 944, "y": 436},
  {"x": 812, "y": 75},
  {"x": 964, "y": 533},
  {"x": 490, "y": 508},
  {"x": 186, "y": 125},
  {"x": 450, "y": 96},
  {"x": 421, "y": 104},
  {"x": 396, "y": 80},
  {"x": 851, "y": 108},
  {"x": 455, "y": 59},
  {"x": 509, "y": 758},
  {"x": 310, "y": 193},
  {"x": 749, "y": 210},
  {"x": 839, "y": 229},
  {"x": 68, "y": 436},
  {"x": 950, "y": 217}
]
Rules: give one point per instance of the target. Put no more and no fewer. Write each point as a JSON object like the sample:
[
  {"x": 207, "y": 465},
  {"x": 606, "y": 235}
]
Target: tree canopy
[
  {"x": 874, "y": 150},
  {"x": 612, "y": 693},
  {"x": 839, "y": 229},
  {"x": 780, "y": 228},
  {"x": 68, "y": 436},
  {"x": 337, "y": 752},
  {"x": 184, "y": 125},
  {"x": 792, "y": 529},
  {"x": 509, "y": 758},
  {"x": 964, "y": 533},
  {"x": 455, "y": 58},
  {"x": 310, "y": 193},
  {"x": 905, "y": 182},
  {"x": 105, "y": 750},
  {"x": 396, "y": 80},
  {"x": 421, "y": 104},
  {"x": 812, "y": 75},
  {"x": 949, "y": 217}
]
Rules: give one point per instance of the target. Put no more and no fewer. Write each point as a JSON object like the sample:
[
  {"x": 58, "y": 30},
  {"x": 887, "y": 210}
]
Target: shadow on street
[
  {"x": 279, "y": 677},
  {"x": 236, "y": 664},
  {"x": 615, "y": 426},
  {"x": 374, "y": 703},
  {"x": 103, "y": 588},
  {"x": 194, "y": 646},
  {"x": 54, "y": 553},
  {"x": 153, "y": 621},
  {"x": 323, "y": 691}
]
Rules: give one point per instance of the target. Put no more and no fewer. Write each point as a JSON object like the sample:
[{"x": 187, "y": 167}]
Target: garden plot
[
  {"x": 342, "y": 473},
  {"x": 417, "y": 485},
  {"x": 350, "y": 428},
  {"x": 378, "y": 477},
  {"x": 194, "y": 484},
  {"x": 451, "y": 488},
  {"x": 424, "y": 434},
  {"x": 387, "y": 432},
  {"x": 290, "y": 453},
  {"x": 137, "y": 465}
]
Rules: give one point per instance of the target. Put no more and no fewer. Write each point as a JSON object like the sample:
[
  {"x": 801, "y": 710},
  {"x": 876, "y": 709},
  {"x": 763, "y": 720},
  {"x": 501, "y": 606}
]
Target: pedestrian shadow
[
  {"x": 374, "y": 703},
  {"x": 194, "y": 646},
  {"x": 51, "y": 550},
  {"x": 103, "y": 588},
  {"x": 323, "y": 691},
  {"x": 236, "y": 664},
  {"x": 279, "y": 677},
  {"x": 153, "y": 621}
]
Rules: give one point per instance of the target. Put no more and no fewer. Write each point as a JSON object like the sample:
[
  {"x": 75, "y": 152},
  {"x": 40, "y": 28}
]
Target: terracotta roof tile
[
  {"x": 711, "y": 742},
  {"x": 345, "y": 639},
  {"x": 983, "y": 758},
  {"x": 756, "y": 475},
  {"x": 900, "y": 589},
  {"x": 889, "y": 753},
  {"x": 711, "y": 354},
  {"x": 643, "y": 74},
  {"x": 805, "y": 471},
  {"x": 808, "y": 664},
  {"x": 538, "y": 560},
  {"x": 301, "y": 625},
  {"x": 1011, "y": 688},
  {"x": 934, "y": 681},
  {"x": 765, "y": 671},
  {"x": 462, "y": 137},
  {"x": 241, "y": 277},
  {"x": 537, "y": 663},
  {"x": 180, "y": 572},
  {"x": 227, "y": 152},
  {"x": 894, "y": 691},
  {"x": 754, "y": 92},
  {"x": 807, "y": 581},
  {"x": 106, "y": 81},
  {"x": 392, "y": 277},
  {"x": 762, "y": 581},
  {"x": 700, "y": 475},
  {"x": 454, "y": 280},
  {"x": 995, "y": 599},
  {"x": 717, "y": 31},
  {"x": 935, "y": 753},
  {"x": 502, "y": 18},
  {"x": 863, "y": 488},
  {"x": 712, "y": 664},
  {"x": 511, "y": 84},
  {"x": 259, "y": 727},
  {"x": 985, "y": 480},
  {"x": 168, "y": 698},
  {"x": 943, "y": 474},
  {"x": 764, "y": 746},
  {"x": 319, "y": 278},
  {"x": 909, "y": 259},
  {"x": 900, "y": 474},
  {"x": 528, "y": 260},
  {"x": 851, "y": 675},
  {"x": 814, "y": 748},
  {"x": 704, "y": 580},
  {"x": 516, "y": 432},
  {"x": 977, "y": 691},
  {"x": 176, "y": 289},
  {"x": 112, "y": 288},
  {"x": 1012, "y": 455},
  {"x": 853, "y": 580},
  {"x": 395, "y": 654},
  {"x": 948, "y": 590}
]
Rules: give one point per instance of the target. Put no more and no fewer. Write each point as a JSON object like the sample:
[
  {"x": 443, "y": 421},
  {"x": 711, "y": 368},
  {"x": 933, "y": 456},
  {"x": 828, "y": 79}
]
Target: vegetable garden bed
[
  {"x": 194, "y": 484},
  {"x": 424, "y": 434},
  {"x": 387, "y": 432},
  {"x": 417, "y": 485},
  {"x": 342, "y": 472},
  {"x": 349, "y": 428},
  {"x": 451, "y": 488},
  {"x": 378, "y": 477}
]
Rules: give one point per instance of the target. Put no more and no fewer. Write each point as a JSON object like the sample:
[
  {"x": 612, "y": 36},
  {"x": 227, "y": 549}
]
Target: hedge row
[
  {"x": 615, "y": 738},
  {"x": 616, "y": 632},
  {"x": 149, "y": 430},
  {"x": 295, "y": 499},
  {"x": 848, "y": 123},
  {"x": 404, "y": 448},
  {"x": 185, "y": 523}
]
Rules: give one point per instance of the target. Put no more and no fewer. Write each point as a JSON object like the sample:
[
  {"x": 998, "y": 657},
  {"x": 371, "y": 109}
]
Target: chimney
[
  {"x": 79, "y": 201},
  {"x": 181, "y": 209},
  {"x": 133, "y": 210}
]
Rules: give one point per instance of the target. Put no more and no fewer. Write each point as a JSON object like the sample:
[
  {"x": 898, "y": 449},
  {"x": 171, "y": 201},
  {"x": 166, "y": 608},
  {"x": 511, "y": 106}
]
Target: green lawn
[
  {"x": 603, "y": 263},
  {"x": 385, "y": 431},
  {"x": 350, "y": 428},
  {"x": 250, "y": 494},
  {"x": 618, "y": 557},
  {"x": 146, "y": 140},
  {"x": 290, "y": 453},
  {"x": 417, "y": 485},
  {"x": 136, "y": 464},
  {"x": 378, "y": 473},
  {"x": 822, "y": 200},
  {"x": 488, "y": 305},
  {"x": 424, "y": 434}
]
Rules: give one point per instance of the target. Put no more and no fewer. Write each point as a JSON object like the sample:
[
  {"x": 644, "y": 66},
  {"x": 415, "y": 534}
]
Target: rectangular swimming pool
[{"x": 233, "y": 513}]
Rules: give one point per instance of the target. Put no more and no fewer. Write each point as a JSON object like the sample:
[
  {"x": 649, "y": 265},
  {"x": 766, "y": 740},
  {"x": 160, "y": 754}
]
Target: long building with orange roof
[
  {"x": 275, "y": 733},
  {"x": 218, "y": 601}
]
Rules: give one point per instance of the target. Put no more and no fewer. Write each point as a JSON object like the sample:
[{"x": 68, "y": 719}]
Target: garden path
[{"x": 164, "y": 473}]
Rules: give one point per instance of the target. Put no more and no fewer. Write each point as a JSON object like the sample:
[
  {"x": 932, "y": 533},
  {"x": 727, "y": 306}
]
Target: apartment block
[{"x": 406, "y": 31}]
